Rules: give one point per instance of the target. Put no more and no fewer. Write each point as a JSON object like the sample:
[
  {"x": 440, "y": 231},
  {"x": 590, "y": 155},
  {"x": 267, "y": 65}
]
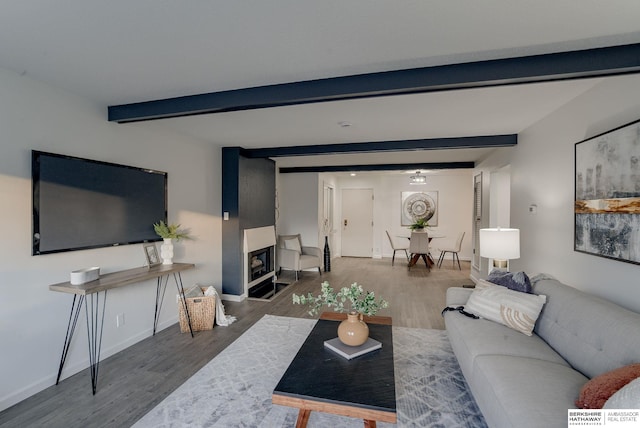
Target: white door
[{"x": 357, "y": 222}]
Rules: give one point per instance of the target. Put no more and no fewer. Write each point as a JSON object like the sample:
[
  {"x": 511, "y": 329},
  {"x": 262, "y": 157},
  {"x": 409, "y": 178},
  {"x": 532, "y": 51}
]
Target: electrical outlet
[{"x": 119, "y": 320}]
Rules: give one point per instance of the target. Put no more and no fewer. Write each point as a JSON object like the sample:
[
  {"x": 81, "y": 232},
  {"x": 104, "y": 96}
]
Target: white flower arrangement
[{"x": 361, "y": 302}]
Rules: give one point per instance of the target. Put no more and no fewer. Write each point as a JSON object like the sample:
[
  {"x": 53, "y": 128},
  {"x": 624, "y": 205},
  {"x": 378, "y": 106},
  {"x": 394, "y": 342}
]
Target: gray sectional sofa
[{"x": 531, "y": 381}]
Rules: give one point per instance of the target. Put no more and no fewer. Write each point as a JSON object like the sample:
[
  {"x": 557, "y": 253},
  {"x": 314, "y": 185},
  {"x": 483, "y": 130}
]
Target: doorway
[{"x": 357, "y": 222}]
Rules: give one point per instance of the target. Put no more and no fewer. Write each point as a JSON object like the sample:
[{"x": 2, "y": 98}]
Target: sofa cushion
[
  {"x": 516, "y": 281},
  {"x": 598, "y": 390},
  {"x": 524, "y": 392},
  {"x": 627, "y": 397},
  {"x": 472, "y": 338},
  {"x": 516, "y": 310},
  {"x": 595, "y": 336}
]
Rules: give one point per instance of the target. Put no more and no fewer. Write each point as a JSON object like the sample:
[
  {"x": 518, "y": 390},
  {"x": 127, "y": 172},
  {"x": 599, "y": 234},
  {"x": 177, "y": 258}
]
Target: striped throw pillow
[{"x": 514, "y": 309}]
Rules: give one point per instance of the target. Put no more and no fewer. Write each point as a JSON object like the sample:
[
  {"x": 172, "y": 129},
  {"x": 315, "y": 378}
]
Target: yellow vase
[{"x": 353, "y": 331}]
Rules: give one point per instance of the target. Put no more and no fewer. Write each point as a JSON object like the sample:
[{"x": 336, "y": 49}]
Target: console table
[{"x": 94, "y": 310}]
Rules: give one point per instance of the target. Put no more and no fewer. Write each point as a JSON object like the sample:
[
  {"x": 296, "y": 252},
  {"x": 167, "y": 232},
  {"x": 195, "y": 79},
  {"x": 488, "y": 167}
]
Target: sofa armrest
[{"x": 458, "y": 295}]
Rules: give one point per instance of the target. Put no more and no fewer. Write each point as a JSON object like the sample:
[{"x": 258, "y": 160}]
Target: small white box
[{"x": 85, "y": 275}]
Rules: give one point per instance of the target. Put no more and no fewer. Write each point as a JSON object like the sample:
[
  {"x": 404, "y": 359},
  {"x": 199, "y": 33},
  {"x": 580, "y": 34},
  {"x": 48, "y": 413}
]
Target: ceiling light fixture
[{"x": 418, "y": 179}]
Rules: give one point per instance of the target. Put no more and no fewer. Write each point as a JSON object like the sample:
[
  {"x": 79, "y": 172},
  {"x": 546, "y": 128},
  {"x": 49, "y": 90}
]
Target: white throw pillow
[
  {"x": 627, "y": 397},
  {"x": 293, "y": 244},
  {"x": 514, "y": 309}
]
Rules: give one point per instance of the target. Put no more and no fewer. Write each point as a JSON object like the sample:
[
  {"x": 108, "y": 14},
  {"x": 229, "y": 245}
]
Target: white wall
[
  {"x": 542, "y": 173},
  {"x": 33, "y": 320},
  {"x": 500, "y": 189},
  {"x": 455, "y": 200}
]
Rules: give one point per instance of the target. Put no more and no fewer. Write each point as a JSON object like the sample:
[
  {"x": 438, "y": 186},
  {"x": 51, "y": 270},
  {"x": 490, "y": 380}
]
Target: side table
[{"x": 94, "y": 309}]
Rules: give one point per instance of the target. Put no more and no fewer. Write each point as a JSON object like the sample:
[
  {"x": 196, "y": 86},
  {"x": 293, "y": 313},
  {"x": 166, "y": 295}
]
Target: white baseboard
[
  {"x": 234, "y": 297},
  {"x": 474, "y": 278},
  {"x": 71, "y": 369}
]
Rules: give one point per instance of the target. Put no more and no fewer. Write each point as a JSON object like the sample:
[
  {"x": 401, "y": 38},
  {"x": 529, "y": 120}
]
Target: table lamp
[{"x": 500, "y": 245}]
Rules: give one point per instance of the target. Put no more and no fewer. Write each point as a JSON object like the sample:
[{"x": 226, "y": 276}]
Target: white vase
[{"x": 166, "y": 251}]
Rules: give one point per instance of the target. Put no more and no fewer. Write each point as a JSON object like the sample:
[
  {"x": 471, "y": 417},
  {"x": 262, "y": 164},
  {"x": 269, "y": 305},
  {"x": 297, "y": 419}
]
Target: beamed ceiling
[{"x": 419, "y": 80}]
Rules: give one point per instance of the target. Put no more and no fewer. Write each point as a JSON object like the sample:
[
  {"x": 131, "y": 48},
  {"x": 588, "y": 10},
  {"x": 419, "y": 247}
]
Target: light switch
[
  {"x": 225, "y": 216},
  {"x": 533, "y": 209}
]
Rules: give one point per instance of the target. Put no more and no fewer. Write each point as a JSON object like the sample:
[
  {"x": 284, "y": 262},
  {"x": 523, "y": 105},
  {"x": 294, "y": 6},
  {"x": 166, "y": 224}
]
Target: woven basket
[{"x": 202, "y": 312}]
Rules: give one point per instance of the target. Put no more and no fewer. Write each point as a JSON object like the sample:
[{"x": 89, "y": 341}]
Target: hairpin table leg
[
  {"x": 178, "y": 279},
  {"x": 76, "y": 306},
  {"x": 95, "y": 325},
  {"x": 161, "y": 288}
]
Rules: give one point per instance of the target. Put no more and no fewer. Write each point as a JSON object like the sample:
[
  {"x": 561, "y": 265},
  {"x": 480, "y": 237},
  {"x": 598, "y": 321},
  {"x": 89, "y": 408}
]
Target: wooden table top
[
  {"x": 120, "y": 278},
  {"x": 319, "y": 379}
]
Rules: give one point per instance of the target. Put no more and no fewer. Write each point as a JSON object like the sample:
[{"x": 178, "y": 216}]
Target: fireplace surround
[{"x": 259, "y": 261}]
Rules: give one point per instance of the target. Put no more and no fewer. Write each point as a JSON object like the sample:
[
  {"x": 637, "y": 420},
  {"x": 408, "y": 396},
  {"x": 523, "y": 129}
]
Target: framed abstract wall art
[
  {"x": 419, "y": 205},
  {"x": 607, "y": 194}
]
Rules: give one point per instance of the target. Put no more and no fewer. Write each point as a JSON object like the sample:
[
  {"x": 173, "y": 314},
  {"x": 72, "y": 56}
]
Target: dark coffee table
[{"x": 320, "y": 380}]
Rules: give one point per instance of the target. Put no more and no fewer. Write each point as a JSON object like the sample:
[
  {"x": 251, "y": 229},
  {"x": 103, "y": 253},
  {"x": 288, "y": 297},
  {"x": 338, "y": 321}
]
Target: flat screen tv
[{"x": 81, "y": 203}]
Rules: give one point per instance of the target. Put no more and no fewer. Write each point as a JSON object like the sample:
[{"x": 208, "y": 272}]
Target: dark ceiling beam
[
  {"x": 379, "y": 167},
  {"x": 488, "y": 141},
  {"x": 607, "y": 61}
]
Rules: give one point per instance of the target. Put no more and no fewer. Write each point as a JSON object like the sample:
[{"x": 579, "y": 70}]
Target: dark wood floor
[{"x": 135, "y": 380}]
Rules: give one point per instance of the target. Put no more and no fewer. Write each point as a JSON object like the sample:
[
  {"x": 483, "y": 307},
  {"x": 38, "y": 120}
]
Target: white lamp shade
[{"x": 502, "y": 244}]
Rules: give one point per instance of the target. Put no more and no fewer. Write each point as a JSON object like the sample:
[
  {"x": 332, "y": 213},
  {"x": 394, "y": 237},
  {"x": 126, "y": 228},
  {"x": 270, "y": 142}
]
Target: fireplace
[
  {"x": 259, "y": 260},
  {"x": 259, "y": 263}
]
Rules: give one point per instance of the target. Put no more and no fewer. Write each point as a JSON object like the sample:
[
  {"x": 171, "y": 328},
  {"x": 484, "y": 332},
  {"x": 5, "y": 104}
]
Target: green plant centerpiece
[
  {"x": 354, "y": 300},
  {"x": 348, "y": 299},
  {"x": 419, "y": 224},
  {"x": 170, "y": 231}
]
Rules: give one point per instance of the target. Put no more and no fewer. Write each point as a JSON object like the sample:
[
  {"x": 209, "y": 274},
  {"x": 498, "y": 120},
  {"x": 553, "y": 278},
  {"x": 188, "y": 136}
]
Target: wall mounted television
[{"x": 81, "y": 203}]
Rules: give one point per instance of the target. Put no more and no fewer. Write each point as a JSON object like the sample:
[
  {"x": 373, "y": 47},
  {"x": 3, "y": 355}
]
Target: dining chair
[
  {"x": 419, "y": 248},
  {"x": 396, "y": 247},
  {"x": 454, "y": 252}
]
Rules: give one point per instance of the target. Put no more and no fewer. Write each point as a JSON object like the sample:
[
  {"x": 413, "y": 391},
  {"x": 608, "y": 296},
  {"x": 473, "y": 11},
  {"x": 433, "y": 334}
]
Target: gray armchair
[{"x": 290, "y": 254}]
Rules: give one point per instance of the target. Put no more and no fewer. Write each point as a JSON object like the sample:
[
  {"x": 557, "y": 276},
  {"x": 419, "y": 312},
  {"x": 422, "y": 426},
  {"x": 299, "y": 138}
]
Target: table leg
[
  {"x": 369, "y": 424},
  {"x": 71, "y": 328},
  {"x": 95, "y": 325},
  {"x": 161, "y": 288},
  {"x": 176, "y": 277},
  {"x": 414, "y": 259},
  {"x": 426, "y": 262},
  {"x": 303, "y": 418}
]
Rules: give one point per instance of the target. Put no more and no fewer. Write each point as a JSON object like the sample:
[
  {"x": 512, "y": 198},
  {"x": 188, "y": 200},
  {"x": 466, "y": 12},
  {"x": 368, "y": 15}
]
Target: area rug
[{"x": 234, "y": 389}]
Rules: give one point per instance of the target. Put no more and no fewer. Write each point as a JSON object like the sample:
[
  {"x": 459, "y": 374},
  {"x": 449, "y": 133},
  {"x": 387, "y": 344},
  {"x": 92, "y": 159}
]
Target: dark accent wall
[{"x": 248, "y": 195}]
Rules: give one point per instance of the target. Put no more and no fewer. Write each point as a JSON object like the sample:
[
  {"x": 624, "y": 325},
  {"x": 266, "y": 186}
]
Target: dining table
[{"x": 427, "y": 257}]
